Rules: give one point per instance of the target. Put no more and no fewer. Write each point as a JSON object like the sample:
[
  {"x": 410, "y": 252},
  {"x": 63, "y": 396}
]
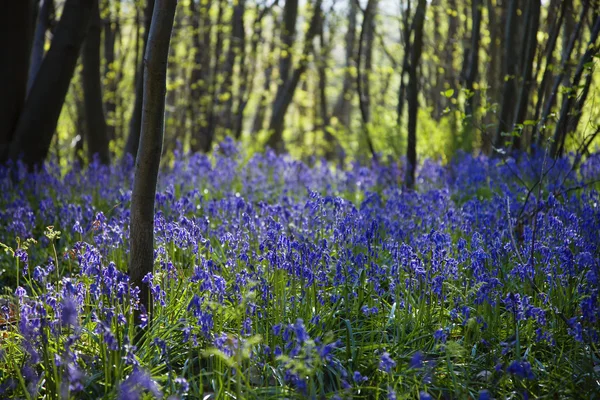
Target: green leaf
[
  {"x": 448, "y": 93},
  {"x": 529, "y": 122}
]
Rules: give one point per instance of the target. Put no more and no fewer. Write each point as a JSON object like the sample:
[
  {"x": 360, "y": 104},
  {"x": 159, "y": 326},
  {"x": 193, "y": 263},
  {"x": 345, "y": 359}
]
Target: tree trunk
[
  {"x": 236, "y": 49},
  {"x": 97, "y": 138},
  {"x": 15, "y": 42},
  {"x": 135, "y": 123},
  {"x": 288, "y": 37},
  {"x": 343, "y": 106},
  {"x": 141, "y": 254},
  {"x": 406, "y": 31},
  {"x": 509, "y": 71},
  {"x": 111, "y": 30},
  {"x": 261, "y": 110},
  {"x": 37, "y": 123},
  {"x": 568, "y": 112},
  {"x": 43, "y": 24},
  {"x": 413, "y": 94},
  {"x": 560, "y": 77},
  {"x": 201, "y": 101},
  {"x": 542, "y": 92},
  {"x": 365, "y": 45},
  {"x": 248, "y": 71},
  {"x": 530, "y": 46},
  {"x": 286, "y": 89},
  {"x": 472, "y": 67}
]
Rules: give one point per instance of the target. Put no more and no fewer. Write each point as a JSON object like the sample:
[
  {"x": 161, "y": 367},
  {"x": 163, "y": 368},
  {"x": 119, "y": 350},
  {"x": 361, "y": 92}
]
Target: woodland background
[{"x": 338, "y": 79}]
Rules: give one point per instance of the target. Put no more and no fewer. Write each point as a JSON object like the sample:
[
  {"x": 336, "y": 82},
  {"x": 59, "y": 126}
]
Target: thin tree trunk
[
  {"x": 135, "y": 123},
  {"x": 286, "y": 90},
  {"x": 542, "y": 92},
  {"x": 509, "y": 71},
  {"x": 111, "y": 30},
  {"x": 472, "y": 68},
  {"x": 37, "y": 123},
  {"x": 235, "y": 51},
  {"x": 365, "y": 45},
  {"x": 406, "y": 31},
  {"x": 288, "y": 37},
  {"x": 413, "y": 94},
  {"x": 43, "y": 24},
  {"x": 15, "y": 43},
  {"x": 530, "y": 46},
  {"x": 97, "y": 137},
  {"x": 560, "y": 77},
  {"x": 568, "y": 111},
  {"x": 261, "y": 111},
  {"x": 247, "y": 71},
  {"x": 201, "y": 80},
  {"x": 141, "y": 254},
  {"x": 343, "y": 106}
]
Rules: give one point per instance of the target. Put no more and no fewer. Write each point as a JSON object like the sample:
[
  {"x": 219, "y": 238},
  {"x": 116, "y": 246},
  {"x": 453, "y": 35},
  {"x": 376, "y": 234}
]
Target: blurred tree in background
[{"x": 332, "y": 78}]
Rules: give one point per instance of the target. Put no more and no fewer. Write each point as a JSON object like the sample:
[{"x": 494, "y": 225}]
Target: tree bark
[
  {"x": 530, "y": 46},
  {"x": 343, "y": 106},
  {"x": 135, "y": 123},
  {"x": 413, "y": 94},
  {"x": 560, "y": 77},
  {"x": 97, "y": 137},
  {"x": 509, "y": 71},
  {"x": 15, "y": 42},
  {"x": 568, "y": 111},
  {"x": 141, "y": 254},
  {"x": 365, "y": 45},
  {"x": 43, "y": 24},
  {"x": 236, "y": 48},
  {"x": 261, "y": 110},
  {"x": 286, "y": 89},
  {"x": 201, "y": 101},
  {"x": 472, "y": 68},
  {"x": 112, "y": 28},
  {"x": 542, "y": 92},
  {"x": 37, "y": 123}
]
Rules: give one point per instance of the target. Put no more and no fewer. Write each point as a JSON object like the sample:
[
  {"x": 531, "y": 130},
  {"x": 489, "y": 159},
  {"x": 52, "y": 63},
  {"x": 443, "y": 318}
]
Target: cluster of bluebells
[{"x": 304, "y": 257}]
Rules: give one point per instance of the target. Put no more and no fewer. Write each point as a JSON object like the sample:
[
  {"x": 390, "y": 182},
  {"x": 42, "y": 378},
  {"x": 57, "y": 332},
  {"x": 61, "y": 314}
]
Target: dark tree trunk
[
  {"x": 37, "y": 122},
  {"x": 135, "y": 123},
  {"x": 365, "y": 45},
  {"x": 332, "y": 147},
  {"x": 141, "y": 254},
  {"x": 406, "y": 31},
  {"x": 413, "y": 94},
  {"x": 44, "y": 22},
  {"x": 248, "y": 70},
  {"x": 530, "y": 47},
  {"x": 560, "y": 77},
  {"x": 286, "y": 90},
  {"x": 472, "y": 67},
  {"x": 542, "y": 92},
  {"x": 236, "y": 48},
  {"x": 494, "y": 76},
  {"x": 288, "y": 37},
  {"x": 343, "y": 106},
  {"x": 509, "y": 70},
  {"x": 261, "y": 111},
  {"x": 111, "y": 30},
  {"x": 15, "y": 43},
  {"x": 97, "y": 138},
  {"x": 571, "y": 108},
  {"x": 201, "y": 101}
]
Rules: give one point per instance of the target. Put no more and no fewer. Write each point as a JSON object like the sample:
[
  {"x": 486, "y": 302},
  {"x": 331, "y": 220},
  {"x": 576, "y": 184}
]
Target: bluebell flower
[
  {"x": 416, "y": 360},
  {"x": 386, "y": 363},
  {"x": 522, "y": 369}
]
